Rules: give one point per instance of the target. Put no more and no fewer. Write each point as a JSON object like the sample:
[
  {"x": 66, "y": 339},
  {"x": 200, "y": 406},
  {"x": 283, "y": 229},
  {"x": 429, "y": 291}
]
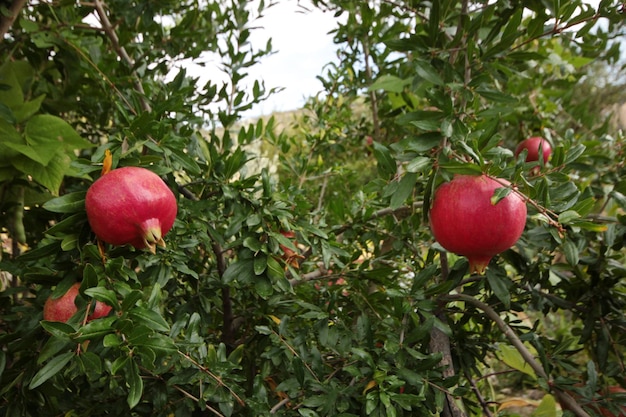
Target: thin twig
[
  {"x": 212, "y": 375},
  {"x": 293, "y": 352},
  {"x": 280, "y": 405},
  {"x": 228, "y": 331},
  {"x": 483, "y": 403},
  {"x": 6, "y": 21},
  {"x": 121, "y": 52}
]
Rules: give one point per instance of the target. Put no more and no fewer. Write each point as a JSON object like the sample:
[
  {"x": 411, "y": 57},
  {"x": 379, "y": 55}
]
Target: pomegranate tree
[
  {"x": 464, "y": 219},
  {"x": 64, "y": 307},
  {"x": 131, "y": 205}
]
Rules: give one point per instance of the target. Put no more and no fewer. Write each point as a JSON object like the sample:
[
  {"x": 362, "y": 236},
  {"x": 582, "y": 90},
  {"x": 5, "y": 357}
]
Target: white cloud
[
  {"x": 300, "y": 37},
  {"x": 302, "y": 47}
]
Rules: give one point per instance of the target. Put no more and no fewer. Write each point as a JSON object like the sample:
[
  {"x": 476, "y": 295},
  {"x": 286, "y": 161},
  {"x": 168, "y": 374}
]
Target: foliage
[{"x": 361, "y": 313}]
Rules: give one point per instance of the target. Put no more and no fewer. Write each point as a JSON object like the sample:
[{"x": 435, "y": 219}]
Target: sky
[{"x": 302, "y": 45}]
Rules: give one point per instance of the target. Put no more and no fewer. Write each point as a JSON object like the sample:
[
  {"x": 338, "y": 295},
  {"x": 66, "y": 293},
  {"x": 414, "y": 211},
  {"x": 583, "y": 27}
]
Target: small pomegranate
[
  {"x": 131, "y": 205},
  {"x": 464, "y": 220},
  {"x": 64, "y": 307},
  {"x": 533, "y": 144}
]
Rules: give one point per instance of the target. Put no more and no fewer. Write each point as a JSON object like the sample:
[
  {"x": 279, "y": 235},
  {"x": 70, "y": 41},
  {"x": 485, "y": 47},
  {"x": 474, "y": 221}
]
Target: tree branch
[
  {"x": 228, "y": 330},
  {"x": 7, "y": 21},
  {"x": 121, "y": 52},
  {"x": 563, "y": 397},
  {"x": 440, "y": 342}
]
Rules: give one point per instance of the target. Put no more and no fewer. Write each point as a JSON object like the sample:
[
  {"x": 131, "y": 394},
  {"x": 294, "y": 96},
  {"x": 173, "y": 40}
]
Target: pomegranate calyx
[
  {"x": 152, "y": 236},
  {"x": 478, "y": 264}
]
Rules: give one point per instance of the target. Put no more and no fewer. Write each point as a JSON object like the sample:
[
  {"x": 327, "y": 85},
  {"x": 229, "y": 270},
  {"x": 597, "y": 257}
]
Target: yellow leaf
[
  {"x": 369, "y": 386},
  {"x": 275, "y": 319},
  {"x": 516, "y": 402}
]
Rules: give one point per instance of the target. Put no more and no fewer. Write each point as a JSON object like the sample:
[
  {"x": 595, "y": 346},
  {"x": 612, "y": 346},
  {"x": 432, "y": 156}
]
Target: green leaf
[
  {"x": 241, "y": 270},
  {"x": 90, "y": 363},
  {"x": 155, "y": 342},
  {"x": 3, "y": 362},
  {"x": 53, "y": 346},
  {"x": 111, "y": 340},
  {"x": 511, "y": 356},
  {"x": 571, "y": 252},
  {"x": 58, "y": 329},
  {"x": 26, "y": 110},
  {"x": 102, "y": 294},
  {"x": 497, "y": 96},
  {"x": 386, "y": 164},
  {"x": 46, "y": 128},
  {"x": 135, "y": 384},
  {"x": 150, "y": 319},
  {"x": 499, "y": 194},
  {"x": 68, "y": 203},
  {"x": 419, "y": 164},
  {"x": 428, "y": 72},
  {"x": 499, "y": 284},
  {"x": 263, "y": 286},
  {"x": 389, "y": 83},
  {"x": 461, "y": 168},
  {"x": 51, "y": 175},
  {"x": 50, "y": 369},
  {"x": 260, "y": 264},
  {"x": 404, "y": 190},
  {"x": 252, "y": 243},
  {"x": 574, "y": 153},
  {"x": 274, "y": 270},
  {"x": 186, "y": 161},
  {"x": 96, "y": 329},
  {"x": 13, "y": 95},
  {"x": 568, "y": 216},
  {"x": 546, "y": 408},
  {"x": 41, "y": 154}
]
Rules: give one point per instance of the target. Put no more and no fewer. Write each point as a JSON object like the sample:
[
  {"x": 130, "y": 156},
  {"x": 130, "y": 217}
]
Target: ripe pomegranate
[
  {"x": 533, "y": 144},
  {"x": 64, "y": 307},
  {"x": 464, "y": 220},
  {"x": 131, "y": 205}
]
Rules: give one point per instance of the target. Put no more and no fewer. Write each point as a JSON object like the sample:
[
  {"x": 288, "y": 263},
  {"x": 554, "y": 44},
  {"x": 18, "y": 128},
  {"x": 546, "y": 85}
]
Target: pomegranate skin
[
  {"x": 131, "y": 205},
  {"x": 533, "y": 144},
  {"x": 464, "y": 221},
  {"x": 64, "y": 307}
]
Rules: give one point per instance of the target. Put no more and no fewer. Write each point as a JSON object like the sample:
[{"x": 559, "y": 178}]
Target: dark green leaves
[{"x": 50, "y": 369}]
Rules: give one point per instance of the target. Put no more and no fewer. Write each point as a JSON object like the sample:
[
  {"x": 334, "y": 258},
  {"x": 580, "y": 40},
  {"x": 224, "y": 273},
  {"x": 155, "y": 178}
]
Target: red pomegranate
[
  {"x": 464, "y": 220},
  {"x": 131, "y": 205},
  {"x": 64, "y": 307},
  {"x": 533, "y": 144}
]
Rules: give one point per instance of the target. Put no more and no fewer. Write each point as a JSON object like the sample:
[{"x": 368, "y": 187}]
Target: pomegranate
[
  {"x": 131, "y": 205},
  {"x": 464, "y": 220},
  {"x": 64, "y": 307},
  {"x": 533, "y": 144}
]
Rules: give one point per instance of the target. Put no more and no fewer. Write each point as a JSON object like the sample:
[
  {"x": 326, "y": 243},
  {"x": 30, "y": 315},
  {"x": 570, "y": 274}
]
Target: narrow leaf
[
  {"x": 50, "y": 369},
  {"x": 135, "y": 385}
]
